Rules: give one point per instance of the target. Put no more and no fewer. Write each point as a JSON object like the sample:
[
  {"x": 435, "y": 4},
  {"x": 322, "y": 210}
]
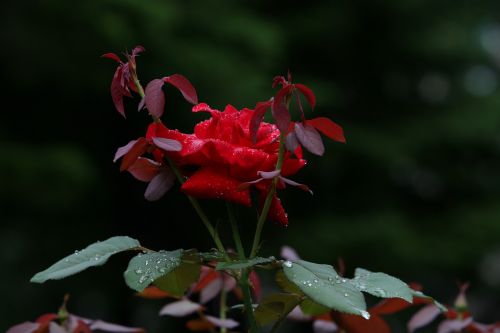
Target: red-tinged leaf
[
  {"x": 291, "y": 142},
  {"x": 154, "y": 97},
  {"x": 211, "y": 290},
  {"x": 328, "y": 128},
  {"x": 138, "y": 49},
  {"x": 185, "y": 87},
  {"x": 138, "y": 148},
  {"x": 56, "y": 328},
  {"x": 324, "y": 326},
  {"x": 257, "y": 117},
  {"x": 81, "y": 327},
  {"x": 256, "y": 285},
  {"x": 269, "y": 174},
  {"x": 308, "y": 94},
  {"x": 117, "y": 92},
  {"x": 199, "y": 325},
  {"x": 123, "y": 150},
  {"x": 225, "y": 323},
  {"x": 142, "y": 104},
  {"x": 26, "y": 327},
  {"x": 389, "y": 306},
  {"x": 298, "y": 315},
  {"x": 109, "y": 327},
  {"x": 112, "y": 56},
  {"x": 144, "y": 169},
  {"x": 423, "y": 317},
  {"x": 303, "y": 187},
  {"x": 153, "y": 292},
  {"x": 160, "y": 185},
  {"x": 167, "y": 144},
  {"x": 207, "y": 276},
  {"x": 358, "y": 324},
  {"x": 45, "y": 318},
  {"x": 181, "y": 308},
  {"x": 282, "y": 118},
  {"x": 450, "y": 326},
  {"x": 289, "y": 253},
  {"x": 309, "y": 138},
  {"x": 277, "y": 80}
]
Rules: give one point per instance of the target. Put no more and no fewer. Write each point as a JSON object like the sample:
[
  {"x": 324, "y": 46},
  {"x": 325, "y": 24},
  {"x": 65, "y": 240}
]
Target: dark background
[{"x": 415, "y": 192}]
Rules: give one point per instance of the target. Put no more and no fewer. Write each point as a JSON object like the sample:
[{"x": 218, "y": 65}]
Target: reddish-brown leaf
[
  {"x": 112, "y": 56},
  {"x": 139, "y": 148},
  {"x": 257, "y": 117},
  {"x": 117, "y": 91},
  {"x": 308, "y": 94},
  {"x": 328, "y": 128},
  {"x": 155, "y": 99},
  {"x": 184, "y": 86},
  {"x": 144, "y": 169},
  {"x": 160, "y": 185},
  {"x": 199, "y": 325},
  {"x": 153, "y": 292},
  {"x": 309, "y": 138},
  {"x": 358, "y": 324}
]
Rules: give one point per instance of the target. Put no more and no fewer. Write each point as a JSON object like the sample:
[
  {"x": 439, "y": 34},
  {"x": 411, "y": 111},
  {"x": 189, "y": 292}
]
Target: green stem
[
  {"x": 247, "y": 300},
  {"x": 235, "y": 231},
  {"x": 197, "y": 207},
  {"x": 269, "y": 199}
]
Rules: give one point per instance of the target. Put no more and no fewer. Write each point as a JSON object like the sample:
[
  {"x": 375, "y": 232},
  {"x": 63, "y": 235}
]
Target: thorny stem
[
  {"x": 269, "y": 199},
  {"x": 180, "y": 178}
]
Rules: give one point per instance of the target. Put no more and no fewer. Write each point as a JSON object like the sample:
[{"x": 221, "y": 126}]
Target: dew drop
[
  {"x": 346, "y": 295},
  {"x": 143, "y": 278},
  {"x": 364, "y": 314},
  {"x": 138, "y": 271},
  {"x": 287, "y": 264},
  {"x": 77, "y": 252},
  {"x": 344, "y": 280}
]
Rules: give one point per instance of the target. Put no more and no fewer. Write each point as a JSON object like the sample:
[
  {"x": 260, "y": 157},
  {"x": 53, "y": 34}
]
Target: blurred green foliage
[{"x": 415, "y": 192}]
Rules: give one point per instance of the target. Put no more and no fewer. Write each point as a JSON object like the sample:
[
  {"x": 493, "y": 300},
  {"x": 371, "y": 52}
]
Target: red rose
[{"x": 222, "y": 150}]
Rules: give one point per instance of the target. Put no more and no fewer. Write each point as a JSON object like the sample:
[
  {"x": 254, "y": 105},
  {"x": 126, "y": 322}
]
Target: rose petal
[{"x": 180, "y": 308}]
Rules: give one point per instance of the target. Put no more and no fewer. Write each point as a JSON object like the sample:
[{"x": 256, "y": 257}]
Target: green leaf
[
  {"x": 144, "y": 269},
  {"x": 287, "y": 285},
  {"x": 181, "y": 278},
  {"x": 381, "y": 285},
  {"x": 309, "y": 307},
  {"x": 241, "y": 264},
  {"x": 420, "y": 294},
  {"x": 93, "y": 255},
  {"x": 275, "y": 306},
  {"x": 322, "y": 284}
]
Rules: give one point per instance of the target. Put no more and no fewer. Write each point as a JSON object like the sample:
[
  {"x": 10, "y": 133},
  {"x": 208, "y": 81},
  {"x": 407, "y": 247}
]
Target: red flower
[{"x": 225, "y": 156}]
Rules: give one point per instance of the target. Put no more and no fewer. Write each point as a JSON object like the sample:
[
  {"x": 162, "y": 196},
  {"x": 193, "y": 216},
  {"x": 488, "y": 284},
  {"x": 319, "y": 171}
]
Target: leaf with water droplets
[
  {"x": 94, "y": 255},
  {"x": 273, "y": 307},
  {"x": 145, "y": 268},
  {"x": 322, "y": 284},
  {"x": 241, "y": 264},
  {"x": 381, "y": 285},
  {"x": 181, "y": 278}
]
